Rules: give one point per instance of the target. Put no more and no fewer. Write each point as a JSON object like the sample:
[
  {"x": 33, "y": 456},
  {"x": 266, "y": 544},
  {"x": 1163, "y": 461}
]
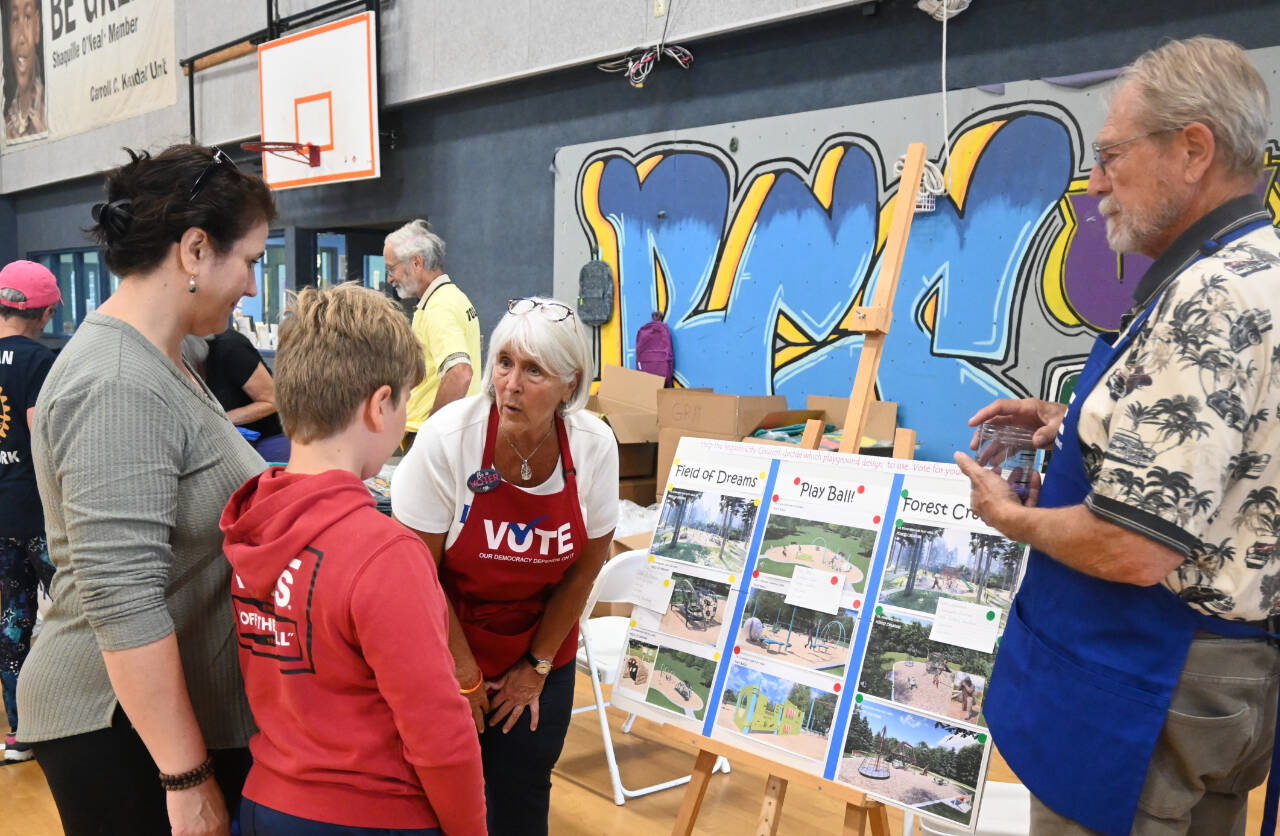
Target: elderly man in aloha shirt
[{"x": 1136, "y": 687}]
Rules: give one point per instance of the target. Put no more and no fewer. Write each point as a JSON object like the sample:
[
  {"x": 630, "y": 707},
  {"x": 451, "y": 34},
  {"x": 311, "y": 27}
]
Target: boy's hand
[{"x": 479, "y": 698}]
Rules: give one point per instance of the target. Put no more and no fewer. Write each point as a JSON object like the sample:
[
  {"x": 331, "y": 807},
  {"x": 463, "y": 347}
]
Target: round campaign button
[{"x": 484, "y": 480}]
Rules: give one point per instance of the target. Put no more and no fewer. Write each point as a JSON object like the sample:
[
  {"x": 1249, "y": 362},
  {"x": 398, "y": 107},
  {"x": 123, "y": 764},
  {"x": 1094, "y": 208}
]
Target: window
[{"x": 84, "y": 281}]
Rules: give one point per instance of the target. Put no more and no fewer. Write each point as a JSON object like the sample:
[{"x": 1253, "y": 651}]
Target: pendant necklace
[{"x": 526, "y": 472}]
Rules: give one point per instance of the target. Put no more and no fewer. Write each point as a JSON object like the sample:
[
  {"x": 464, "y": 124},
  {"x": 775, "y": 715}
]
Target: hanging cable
[
  {"x": 640, "y": 63},
  {"x": 933, "y": 182}
]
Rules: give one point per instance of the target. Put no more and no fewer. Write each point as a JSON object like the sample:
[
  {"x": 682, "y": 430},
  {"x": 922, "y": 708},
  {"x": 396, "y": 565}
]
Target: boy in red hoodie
[{"x": 341, "y": 621}]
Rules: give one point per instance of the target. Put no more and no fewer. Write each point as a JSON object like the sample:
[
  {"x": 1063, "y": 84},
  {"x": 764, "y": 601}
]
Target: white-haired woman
[{"x": 515, "y": 492}]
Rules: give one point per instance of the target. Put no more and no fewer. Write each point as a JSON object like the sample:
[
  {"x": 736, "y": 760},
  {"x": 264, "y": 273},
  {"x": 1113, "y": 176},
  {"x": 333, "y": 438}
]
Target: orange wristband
[{"x": 473, "y": 688}]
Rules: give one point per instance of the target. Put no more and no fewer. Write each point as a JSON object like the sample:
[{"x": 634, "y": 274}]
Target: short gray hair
[
  {"x": 1211, "y": 81},
  {"x": 559, "y": 347},
  {"x": 416, "y": 238}
]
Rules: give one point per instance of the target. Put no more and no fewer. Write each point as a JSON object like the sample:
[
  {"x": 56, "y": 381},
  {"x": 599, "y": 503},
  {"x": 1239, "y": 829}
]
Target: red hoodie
[{"x": 343, "y": 633}]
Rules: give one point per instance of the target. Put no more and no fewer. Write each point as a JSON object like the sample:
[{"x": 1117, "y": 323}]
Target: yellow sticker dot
[
  {"x": 633, "y": 622},
  {"x": 652, "y": 558},
  {"x": 717, "y": 656},
  {"x": 667, "y": 582},
  {"x": 764, "y": 475},
  {"x": 732, "y": 578},
  {"x": 669, "y": 488},
  {"x": 677, "y": 461},
  {"x": 756, "y": 502}
]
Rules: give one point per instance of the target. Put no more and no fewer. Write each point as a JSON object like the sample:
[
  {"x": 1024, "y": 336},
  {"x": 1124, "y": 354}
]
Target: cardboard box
[
  {"x": 708, "y": 412},
  {"x": 882, "y": 417},
  {"x": 630, "y": 543},
  {"x": 641, "y": 491},
  {"x": 786, "y": 418},
  {"x": 639, "y": 459},
  {"x": 627, "y": 402}
]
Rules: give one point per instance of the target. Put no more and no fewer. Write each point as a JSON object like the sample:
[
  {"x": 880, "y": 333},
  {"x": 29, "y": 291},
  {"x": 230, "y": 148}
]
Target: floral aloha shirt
[{"x": 1181, "y": 438}]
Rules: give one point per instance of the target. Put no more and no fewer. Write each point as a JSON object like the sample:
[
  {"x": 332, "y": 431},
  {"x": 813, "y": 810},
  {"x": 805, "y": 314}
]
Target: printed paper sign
[
  {"x": 815, "y": 589},
  {"x": 652, "y": 589},
  {"x": 967, "y": 625}
]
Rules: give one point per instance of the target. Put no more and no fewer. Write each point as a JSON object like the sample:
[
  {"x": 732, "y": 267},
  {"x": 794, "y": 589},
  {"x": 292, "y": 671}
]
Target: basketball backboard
[{"x": 320, "y": 86}]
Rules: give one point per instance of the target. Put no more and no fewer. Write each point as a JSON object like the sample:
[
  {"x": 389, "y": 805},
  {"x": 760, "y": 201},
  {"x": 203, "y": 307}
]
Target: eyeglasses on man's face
[
  {"x": 1103, "y": 155},
  {"x": 219, "y": 158},
  {"x": 553, "y": 311}
]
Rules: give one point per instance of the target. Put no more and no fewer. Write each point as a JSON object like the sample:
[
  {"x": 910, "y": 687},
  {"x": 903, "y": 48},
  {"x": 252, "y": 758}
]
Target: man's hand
[
  {"x": 991, "y": 497},
  {"x": 198, "y": 811},
  {"x": 1041, "y": 416}
]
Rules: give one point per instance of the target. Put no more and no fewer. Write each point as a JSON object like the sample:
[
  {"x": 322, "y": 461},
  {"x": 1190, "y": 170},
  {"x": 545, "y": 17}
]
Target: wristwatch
[{"x": 541, "y": 666}]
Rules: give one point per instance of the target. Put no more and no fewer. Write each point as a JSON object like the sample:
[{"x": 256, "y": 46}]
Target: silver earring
[{"x": 191, "y": 285}]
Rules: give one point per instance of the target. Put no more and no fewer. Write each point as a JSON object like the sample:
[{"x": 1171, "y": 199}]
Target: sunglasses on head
[{"x": 219, "y": 159}]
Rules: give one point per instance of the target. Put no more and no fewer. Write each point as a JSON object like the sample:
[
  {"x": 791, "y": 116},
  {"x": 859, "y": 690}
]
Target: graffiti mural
[{"x": 756, "y": 268}]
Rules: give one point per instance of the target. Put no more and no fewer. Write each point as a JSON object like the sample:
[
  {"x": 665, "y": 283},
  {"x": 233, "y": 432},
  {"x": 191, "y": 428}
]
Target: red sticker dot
[
  {"x": 861, "y": 488},
  {"x": 737, "y": 650},
  {"x": 857, "y": 605},
  {"x": 775, "y": 497},
  {"x": 876, "y": 519},
  {"x": 835, "y": 579},
  {"x": 797, "y": 480},
  {"x": 756, "y": 573},
  {"x": 837, "y": 687}
]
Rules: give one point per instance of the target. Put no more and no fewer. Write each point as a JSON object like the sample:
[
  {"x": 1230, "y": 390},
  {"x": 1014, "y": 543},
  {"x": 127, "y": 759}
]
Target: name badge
[{"x": 484, "y": 480}]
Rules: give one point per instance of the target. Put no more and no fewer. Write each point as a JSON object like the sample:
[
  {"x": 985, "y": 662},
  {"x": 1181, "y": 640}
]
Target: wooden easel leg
[
  {"x": 858, "y": 816},
  {"x": 771, "y": 811},
  {"x": 693, "y": 794}
]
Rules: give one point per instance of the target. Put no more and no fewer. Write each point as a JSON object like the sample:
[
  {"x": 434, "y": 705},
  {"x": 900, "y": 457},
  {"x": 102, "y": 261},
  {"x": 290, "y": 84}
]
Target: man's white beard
[{"x": 1130, "y": 229}]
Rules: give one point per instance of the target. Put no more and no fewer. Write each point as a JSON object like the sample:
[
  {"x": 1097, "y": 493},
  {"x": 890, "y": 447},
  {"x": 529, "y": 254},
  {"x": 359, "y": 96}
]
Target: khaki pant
[{"x": 1215, "y": 747}]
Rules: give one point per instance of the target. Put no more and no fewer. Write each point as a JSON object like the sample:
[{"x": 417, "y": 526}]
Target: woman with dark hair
[{"x": 135, "y": 672}]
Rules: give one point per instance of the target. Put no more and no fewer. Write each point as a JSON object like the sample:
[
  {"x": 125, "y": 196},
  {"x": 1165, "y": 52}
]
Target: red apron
[{"x": 513, "y": 549}]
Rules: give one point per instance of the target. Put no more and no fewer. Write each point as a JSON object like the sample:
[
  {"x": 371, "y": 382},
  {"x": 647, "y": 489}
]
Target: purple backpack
[{"x": 653, "y": 349}]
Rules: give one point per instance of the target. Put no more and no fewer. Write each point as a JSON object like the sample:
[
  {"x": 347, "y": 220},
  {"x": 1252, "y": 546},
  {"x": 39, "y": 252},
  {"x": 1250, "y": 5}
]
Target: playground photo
[
  {"x": 681, "y": 682},
  {"x": 637, "y": 666},
  {"x": 773, "y": 629},
  {"x": 914, "y": 760},
  {"x": 840, "y": 549},
  {"x": 697, "y": 610},
  {"x": 903, "y": 665},
  {"x": 777, "y": 711},
  {"x": 707, "y": 529},
  {"x": 926, "y": 563}
]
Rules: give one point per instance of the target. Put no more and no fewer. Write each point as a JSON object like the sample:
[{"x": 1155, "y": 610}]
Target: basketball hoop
[{"x": 305, "y": 152}]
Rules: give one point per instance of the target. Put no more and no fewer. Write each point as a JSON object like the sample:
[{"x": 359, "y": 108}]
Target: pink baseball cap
[{"x": 34, "y": 281}]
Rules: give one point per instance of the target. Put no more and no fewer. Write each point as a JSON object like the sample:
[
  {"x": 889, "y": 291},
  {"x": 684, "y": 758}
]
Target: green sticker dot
[
  {"x": 858, "y": 698},
  {"x": 998, "y": 642},
  {"x": 897, "y": 523},
  {"x": 879, "y": 610},
  {"x": 991, "y": 615},
  {"x": 905, "y": 493},
  {"x": 982, "y": 738}
]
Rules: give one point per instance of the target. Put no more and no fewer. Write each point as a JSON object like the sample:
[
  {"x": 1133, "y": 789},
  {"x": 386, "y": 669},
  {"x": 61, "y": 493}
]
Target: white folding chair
[
  {"x": 601, "y": 647},
  {"x": 1005, "y": 811}
]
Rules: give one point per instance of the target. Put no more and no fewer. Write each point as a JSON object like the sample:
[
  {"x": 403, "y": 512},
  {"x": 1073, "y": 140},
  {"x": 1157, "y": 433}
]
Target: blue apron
[{"x": 1087, "y": 667}]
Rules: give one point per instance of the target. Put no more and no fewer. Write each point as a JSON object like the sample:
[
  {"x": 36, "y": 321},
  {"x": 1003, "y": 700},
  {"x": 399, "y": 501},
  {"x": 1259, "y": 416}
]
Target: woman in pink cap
[{"x": 28, "y": 297}]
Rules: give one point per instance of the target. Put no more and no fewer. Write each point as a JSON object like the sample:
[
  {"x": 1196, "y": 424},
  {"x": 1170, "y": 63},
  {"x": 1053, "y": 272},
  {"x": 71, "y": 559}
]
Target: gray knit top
[{"x": 134, "y": 465}]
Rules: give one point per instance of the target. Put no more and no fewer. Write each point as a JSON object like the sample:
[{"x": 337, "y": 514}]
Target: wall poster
[{"x": 839, "y": 614}]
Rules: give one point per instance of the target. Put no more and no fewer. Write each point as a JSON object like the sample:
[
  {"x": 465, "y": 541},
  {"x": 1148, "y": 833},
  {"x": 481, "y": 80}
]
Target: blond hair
[
  {"x": 1211, "y": 81},
  {"x": 338, "y": 347}
]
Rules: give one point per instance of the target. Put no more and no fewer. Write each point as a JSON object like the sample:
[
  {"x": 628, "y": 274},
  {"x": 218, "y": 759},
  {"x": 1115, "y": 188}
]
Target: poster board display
[
  {"x": 838, "y": 614},
  {"x": 71, "y": 67}
]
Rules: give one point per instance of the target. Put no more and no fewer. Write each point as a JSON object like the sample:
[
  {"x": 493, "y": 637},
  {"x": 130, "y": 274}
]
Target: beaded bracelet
[
  {"x": 473, "y": 688},
  {"x": 187, "y": 780}
]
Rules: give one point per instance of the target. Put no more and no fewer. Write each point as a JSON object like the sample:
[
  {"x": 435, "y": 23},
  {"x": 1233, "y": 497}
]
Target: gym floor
[{"x": 581, "y": 799}]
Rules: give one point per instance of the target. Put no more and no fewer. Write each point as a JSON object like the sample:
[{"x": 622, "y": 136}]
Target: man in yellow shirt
[{"x": 445, "y": 321}]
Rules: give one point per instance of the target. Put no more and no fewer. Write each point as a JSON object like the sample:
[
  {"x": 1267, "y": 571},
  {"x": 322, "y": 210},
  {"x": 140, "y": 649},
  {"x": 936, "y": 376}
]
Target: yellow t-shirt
[{"x": 449, "y": 330}]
